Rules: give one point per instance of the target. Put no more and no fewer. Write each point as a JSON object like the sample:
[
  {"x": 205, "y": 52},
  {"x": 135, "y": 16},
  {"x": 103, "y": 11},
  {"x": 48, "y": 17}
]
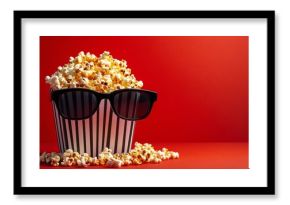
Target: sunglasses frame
[{"x": 110, "y": 96}]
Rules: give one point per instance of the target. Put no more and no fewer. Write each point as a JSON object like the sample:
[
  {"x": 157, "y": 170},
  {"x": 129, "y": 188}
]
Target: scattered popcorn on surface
[
  {"x": 103, "y": 74},
  {"x": 142, "y": 153}
]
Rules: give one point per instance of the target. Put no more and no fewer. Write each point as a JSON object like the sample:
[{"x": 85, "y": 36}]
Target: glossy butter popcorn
[
  {"x": 103, "y": 74},
  {"x": 142, "y": 153}
]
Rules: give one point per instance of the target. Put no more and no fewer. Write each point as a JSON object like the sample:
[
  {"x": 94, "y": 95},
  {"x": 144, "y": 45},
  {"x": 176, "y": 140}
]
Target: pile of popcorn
[
  {"x": 142, "y": 153},
  {"x": 103, "y": 74}
]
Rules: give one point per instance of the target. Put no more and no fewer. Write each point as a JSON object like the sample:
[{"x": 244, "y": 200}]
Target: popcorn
[
  {"x": 43, "y": 157},
  {"x": 84, "y": 161},
  {"x": 139, "y": 84},
  {"x": 95, "y": 161},
  {"x": 76, "y": 155},
  {"x": 55, "y": 160},
  {"x": 114, "y": 163},
  {"x": 79, "y": 162},
  {"x": 71, "y": 59},
  {"x": 79, "y": 59},
  {"x": 157, "y": 160},
  {"x": 68, "y": 153},
  {"x": 69, "y": 161},
  {"x": 103, "y": 74},
  {"x": 175, "y": 155},
  {"x": 140, "y": 154},
  {"x": 137, "y": 161}
]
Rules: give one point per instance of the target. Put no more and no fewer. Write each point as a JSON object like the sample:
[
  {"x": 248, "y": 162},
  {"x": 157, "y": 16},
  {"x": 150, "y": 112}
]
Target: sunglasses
[{"x": 81, "y": 103}]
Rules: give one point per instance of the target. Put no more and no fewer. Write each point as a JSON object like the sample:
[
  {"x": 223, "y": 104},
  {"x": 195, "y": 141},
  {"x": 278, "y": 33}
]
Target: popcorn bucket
[{"x": 91, "y": 135}]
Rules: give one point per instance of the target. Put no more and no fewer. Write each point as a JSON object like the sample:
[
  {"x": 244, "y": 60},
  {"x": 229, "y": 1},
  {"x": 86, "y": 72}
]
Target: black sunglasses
[{"x": 80, "y": 103}]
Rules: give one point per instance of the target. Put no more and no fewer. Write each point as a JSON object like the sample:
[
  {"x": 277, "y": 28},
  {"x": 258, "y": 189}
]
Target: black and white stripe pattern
[{"x": 103, "y": 129}]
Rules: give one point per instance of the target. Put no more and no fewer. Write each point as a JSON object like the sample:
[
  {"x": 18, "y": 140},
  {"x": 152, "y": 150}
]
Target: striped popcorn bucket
[{"x": 91, "y": 135}]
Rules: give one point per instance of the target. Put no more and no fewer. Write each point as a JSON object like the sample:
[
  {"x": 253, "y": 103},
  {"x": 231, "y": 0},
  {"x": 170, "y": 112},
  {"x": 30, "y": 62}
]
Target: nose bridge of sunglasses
[{"x": 105, "y": 101}]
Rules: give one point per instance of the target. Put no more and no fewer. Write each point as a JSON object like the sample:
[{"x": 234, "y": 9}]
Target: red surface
[
  {"x": 193, "y": 156},
  {"x": 202, "y": 84}
]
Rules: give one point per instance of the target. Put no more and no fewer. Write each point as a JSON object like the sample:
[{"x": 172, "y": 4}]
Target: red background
[{"x": 202, "y": 83}]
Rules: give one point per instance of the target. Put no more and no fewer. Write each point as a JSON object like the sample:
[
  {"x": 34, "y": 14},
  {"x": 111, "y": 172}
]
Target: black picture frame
[{"x": 268, "y": 190}]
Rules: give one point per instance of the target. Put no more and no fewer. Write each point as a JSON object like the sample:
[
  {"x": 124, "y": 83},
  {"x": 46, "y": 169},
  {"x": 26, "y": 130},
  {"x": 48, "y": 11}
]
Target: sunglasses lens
[
  {"x": 132, "y": 105},
  {"x": 77, "y": 104}
]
